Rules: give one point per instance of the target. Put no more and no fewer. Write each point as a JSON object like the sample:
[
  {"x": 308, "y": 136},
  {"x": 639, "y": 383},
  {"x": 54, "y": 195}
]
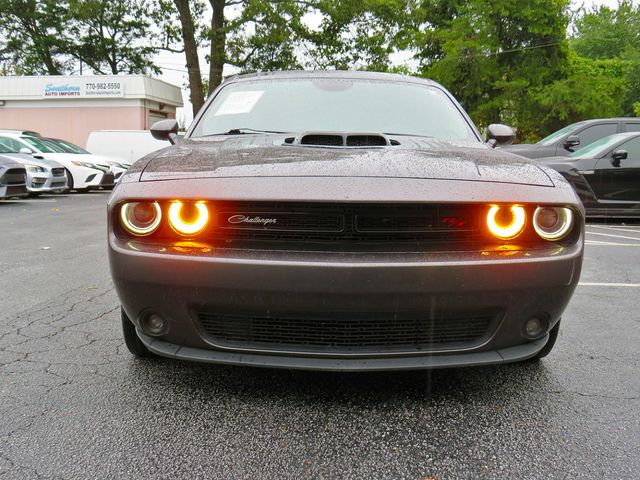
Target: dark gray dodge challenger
[{"x": 341, "y": 221}]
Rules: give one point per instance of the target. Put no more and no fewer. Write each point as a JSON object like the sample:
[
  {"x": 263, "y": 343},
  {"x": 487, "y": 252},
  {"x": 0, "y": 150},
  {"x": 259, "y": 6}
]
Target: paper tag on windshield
[{"x": 239, "y": 102}]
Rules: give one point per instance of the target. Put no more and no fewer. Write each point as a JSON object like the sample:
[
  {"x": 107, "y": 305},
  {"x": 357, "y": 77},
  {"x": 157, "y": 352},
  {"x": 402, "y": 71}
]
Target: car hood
[
  {"x": 269, "y": 156},
  {"x": 25, "y": 159},
  {"x": 7, "y": 162},
  {"x": 77, "y": 157}
]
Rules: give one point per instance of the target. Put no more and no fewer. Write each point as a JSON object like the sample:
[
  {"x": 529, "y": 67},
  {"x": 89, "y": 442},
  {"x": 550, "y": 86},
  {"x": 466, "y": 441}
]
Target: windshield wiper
[{"x": 243, "y": 131}]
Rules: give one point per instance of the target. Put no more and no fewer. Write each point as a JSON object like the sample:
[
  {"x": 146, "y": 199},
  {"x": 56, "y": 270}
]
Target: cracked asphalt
[{"x": 75, "y": 404}]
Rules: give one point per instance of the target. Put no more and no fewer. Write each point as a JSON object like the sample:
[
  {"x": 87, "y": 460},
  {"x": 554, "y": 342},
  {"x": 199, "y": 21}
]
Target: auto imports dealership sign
[{"x": 82, "y": 88}]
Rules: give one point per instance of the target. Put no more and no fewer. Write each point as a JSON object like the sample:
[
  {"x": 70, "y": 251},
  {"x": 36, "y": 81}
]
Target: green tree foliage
[
  {"x": 496, "y": 56},
  {"x": 521, "y": 62},
  {"x": 591, "y": 89},
  {"x": 606, "y": 32},
  {"x": 51, "y": 36},
  {"x": 613, "y": 33},
  {"x": 30, "y": 32},
  {"x": 111, "y": 36},
  {"x": 359, "y": 35}
]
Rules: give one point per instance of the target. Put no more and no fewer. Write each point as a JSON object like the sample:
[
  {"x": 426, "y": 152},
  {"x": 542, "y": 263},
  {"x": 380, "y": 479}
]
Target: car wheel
[
  {"x": 131, "y": 339},
  {"x": 69, "y": 179},
  {"x": 553, "y": 336}
]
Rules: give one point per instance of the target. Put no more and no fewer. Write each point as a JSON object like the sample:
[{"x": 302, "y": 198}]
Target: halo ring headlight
[
  {"x": 192, "y": 226},
  {"x": 140, "y": 218},
  {"x": 506, "y": 222},
  {"x": 553, "y": 223}
]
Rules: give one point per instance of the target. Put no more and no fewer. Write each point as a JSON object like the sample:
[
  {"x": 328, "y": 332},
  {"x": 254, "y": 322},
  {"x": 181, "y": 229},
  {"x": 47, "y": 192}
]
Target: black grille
[
  {"x": 336, "y": 140},
  {"x": 57, "y": 172},
  {"x": 348, "y": 333},
  {"x": 324, "y": 140},
  {"x": 351, "y": 227},
  {"x": 107, "y": 179},
  {"x": 14, "y": 176},
  {"x": 366, "y": 141}
]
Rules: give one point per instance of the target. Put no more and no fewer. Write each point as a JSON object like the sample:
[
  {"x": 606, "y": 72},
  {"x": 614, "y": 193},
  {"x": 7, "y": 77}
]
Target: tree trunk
[
  {"x": 218, "y": 41},
  {"x": 196, "y": 89},
  {"x": 52, "y": 69}
]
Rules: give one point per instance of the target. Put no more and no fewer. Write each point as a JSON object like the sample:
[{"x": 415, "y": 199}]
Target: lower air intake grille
[
  {"x": 347, "y": 333},
  {"x": 14, "y": 176}
]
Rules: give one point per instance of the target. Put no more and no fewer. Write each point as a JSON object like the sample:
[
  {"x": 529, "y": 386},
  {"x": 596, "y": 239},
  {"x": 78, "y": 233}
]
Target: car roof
[
  {"x": 345, "y": 74},
  {"x": 20, "y": 132},
  {"x": 615, "y": 119}
]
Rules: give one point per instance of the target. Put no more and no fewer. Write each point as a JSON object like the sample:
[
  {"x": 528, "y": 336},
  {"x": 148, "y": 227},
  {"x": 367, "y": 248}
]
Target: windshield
[
  {"x": 43, "y": 147},
  {"x": 334, "y": 105},
  {"x": 67, "y": 147},
  {"x": 560, "y": 133},
  {"x": 4, "y": 148},
  {"x": 598, "y": 148}
]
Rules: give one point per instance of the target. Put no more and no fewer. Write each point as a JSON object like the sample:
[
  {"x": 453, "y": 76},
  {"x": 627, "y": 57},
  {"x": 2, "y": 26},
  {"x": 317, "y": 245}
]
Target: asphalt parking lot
[{"x": 75, "y": 404}]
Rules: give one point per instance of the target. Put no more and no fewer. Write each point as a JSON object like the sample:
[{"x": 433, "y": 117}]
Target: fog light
[
  {"x": 534, "y": 327},
  {"x": 155, "y": 324}
]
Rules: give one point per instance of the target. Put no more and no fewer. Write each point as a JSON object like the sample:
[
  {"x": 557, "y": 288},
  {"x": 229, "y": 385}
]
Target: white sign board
[{"x": 70, "y": 87}]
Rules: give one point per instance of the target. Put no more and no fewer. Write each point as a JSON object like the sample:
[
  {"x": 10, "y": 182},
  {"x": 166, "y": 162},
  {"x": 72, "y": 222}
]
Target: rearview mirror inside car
[
  {"x": 166, "y": 130},
  {"x": 499, "y": 135},
  {"x": 571, "y": 142}
]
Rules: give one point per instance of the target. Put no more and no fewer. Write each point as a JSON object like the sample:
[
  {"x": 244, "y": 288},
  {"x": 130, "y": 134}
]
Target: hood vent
[{"x": 336, "y": 139}]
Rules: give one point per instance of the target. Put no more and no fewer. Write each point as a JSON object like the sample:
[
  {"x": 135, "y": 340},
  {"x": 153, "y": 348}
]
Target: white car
[
  {"x": 83, "y": 173},
  {"x": 43, "y": 176},
  {"x": 117, "y": 165}
]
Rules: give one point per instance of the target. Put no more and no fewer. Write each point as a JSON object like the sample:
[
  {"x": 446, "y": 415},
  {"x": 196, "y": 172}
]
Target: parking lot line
[
  {"x": 614, "y": 236},
  {"x": 617, "y": 228},
  {"x": 597, "y": 243},
  {"x": 602, "y": 284},
  {"x": 37, "y": 200}
]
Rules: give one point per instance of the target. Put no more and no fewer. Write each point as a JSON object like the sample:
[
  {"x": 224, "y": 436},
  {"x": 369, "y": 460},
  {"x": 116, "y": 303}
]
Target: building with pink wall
[{"x": 70, "y": 107}]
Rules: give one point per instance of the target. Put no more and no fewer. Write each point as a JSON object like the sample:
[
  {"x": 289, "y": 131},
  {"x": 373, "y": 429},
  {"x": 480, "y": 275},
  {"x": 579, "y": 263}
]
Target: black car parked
[
  {"x": 605, "y": 174},
  {"x": 577, "y": 135}
]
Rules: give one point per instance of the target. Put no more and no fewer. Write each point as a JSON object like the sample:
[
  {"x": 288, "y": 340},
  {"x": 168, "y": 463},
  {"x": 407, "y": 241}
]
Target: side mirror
[
  {"x": 499, "y": 135},
  {"x": 618, "y": 156},
  {"x": 26, "y": 151},
  {"x": 570, "y": 142},
  {"x": 166, "y": 130}
]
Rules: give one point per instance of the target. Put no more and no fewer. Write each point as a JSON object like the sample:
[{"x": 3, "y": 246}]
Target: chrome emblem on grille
[{"x": 251, "y": 220}]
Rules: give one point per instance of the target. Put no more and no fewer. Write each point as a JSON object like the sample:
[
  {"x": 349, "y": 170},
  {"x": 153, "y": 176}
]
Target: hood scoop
[{"x": 340, "y": 139}]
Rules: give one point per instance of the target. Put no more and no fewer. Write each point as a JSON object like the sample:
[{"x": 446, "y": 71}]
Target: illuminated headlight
[
  {"x": 553, "y": 223},
  {"x": 140, "y": 218},
  {"x": 506, "y": 222},
  {"x": 188, "y": 218}
]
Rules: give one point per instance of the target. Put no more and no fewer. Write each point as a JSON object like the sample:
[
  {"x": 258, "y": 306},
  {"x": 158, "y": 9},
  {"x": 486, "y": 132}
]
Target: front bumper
[
  {"x": 7, "y": 191},
  {"x": 45, "y": 182},
  {"x": 474, "y": 359},
  {"x": 179, "y": 281}
]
